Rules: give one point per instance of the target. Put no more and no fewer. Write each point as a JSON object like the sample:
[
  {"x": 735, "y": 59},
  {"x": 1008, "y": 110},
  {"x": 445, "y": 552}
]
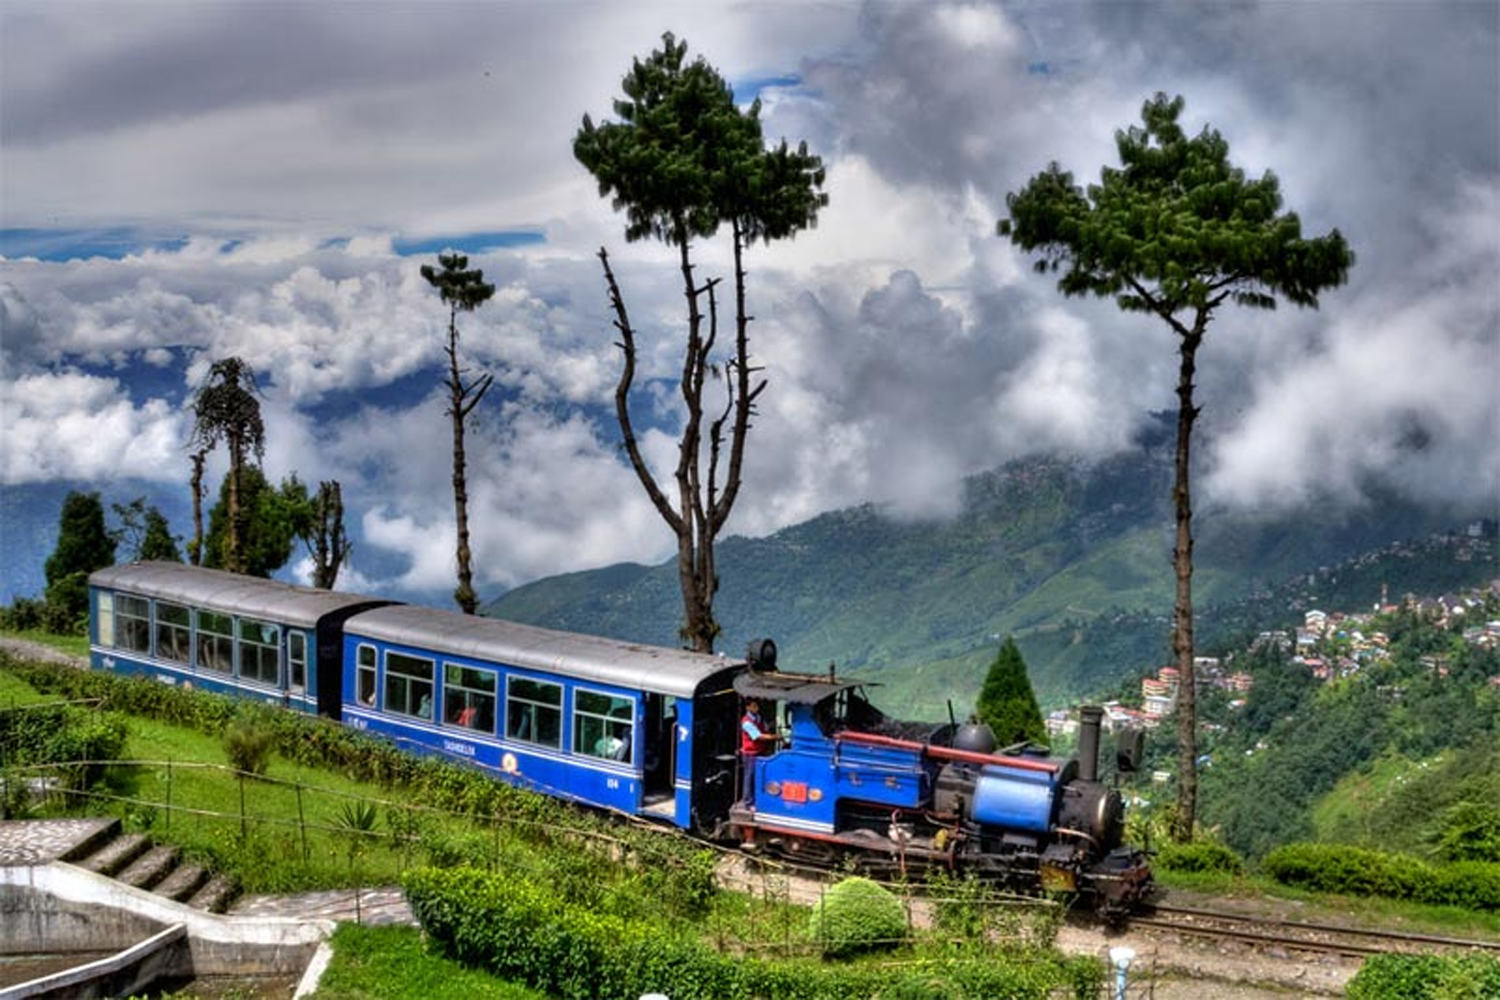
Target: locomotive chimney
[{"x": 1088, "y": 742}]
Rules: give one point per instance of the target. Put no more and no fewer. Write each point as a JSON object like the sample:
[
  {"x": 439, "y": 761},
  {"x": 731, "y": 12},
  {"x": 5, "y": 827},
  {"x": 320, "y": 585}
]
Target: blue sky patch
[
  {"x": 56, "y": 245},
  {"x": 750, "y": 88},
  {"x": 469, "y": 242}
]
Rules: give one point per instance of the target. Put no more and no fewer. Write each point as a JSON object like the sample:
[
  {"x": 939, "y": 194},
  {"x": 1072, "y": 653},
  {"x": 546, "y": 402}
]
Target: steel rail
[{"x": 1298, "y": 934}]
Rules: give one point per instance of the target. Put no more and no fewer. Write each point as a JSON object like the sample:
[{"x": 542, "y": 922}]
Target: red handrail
[{"x": 948, "y": 753}]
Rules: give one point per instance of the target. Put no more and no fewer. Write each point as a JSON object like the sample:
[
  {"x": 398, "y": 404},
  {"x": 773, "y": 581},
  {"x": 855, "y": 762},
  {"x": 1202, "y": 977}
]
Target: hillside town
[{"x": 1329, "y": 645}]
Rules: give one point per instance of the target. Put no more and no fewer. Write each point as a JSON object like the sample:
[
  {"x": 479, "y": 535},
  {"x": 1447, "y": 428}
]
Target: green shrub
[
  {"x": 519, "y": 930},
  {"x": 1361, "y": 872},
  {"x": 857, "y": 915},
  {"x": 452, "y": 850},
  {"x": 1200, "y": 856},
  {"x": 920, "y": 986},
  {"x": 1470, "y": 832},
  {"x": 1426, "y": 977},
  {"x": 1474, "y": 885},
  {"x": 15, "y": 795},
  {"x": 84, "y": 742},
  {"x": 248, "y": 746}
]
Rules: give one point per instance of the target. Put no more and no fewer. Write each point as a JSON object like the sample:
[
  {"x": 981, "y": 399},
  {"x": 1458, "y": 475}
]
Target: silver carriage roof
[
  {"x": 676, "y": 672},
  {"x": 228, "y": 592}
]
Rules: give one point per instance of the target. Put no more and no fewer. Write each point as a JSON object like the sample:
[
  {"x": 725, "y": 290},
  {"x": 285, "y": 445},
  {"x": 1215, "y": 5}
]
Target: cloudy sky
[{"x": 184, "y": 182}]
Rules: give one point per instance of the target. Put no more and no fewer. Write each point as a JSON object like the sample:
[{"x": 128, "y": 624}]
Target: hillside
[{"x": 1071, "y": 558}]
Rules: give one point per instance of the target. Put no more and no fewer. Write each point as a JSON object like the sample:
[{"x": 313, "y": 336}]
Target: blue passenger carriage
[
  {"x": 222, "y": 632},
  {"x": 640, "y": 729}
]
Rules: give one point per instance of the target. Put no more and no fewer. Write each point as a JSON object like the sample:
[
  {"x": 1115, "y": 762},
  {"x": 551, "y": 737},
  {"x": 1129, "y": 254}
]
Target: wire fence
[{"x": 380, "y": 836}]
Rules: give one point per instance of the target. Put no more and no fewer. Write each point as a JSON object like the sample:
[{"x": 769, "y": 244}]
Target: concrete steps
[
  {"x": 131, "y": 858},
  {"x": 151, "y": 867},
  {"x": 182, "y": 882},
  {"x": 116, "y": 855},
  {"x": 216, "y": 895}
]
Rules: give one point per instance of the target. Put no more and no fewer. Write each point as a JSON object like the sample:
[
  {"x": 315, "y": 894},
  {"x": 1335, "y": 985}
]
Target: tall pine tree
[{"x": 1176, "y": 231}]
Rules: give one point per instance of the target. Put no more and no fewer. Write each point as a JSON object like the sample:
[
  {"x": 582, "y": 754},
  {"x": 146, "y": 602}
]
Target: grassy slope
[{"x": 380, "y": 963}]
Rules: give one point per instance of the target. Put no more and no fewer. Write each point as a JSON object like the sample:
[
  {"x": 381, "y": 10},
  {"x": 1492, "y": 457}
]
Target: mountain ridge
[{"x": 1044, "y": 548}]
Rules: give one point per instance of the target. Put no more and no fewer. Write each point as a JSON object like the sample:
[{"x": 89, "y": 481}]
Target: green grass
[
  {"x": 189, "y": 771},
  {"x": 75, "y": 645},
  {"x": 14, "y": 691},
  {"x": 291, "y": 845},
  {"x": 1343, "y": 815},
  {"x": 392, "y": 963}
]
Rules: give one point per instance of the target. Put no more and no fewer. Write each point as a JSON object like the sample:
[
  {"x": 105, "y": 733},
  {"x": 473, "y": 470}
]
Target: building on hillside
[
  {"x": 1154, "y": 706},
  {"x": 1061, "y": 723}
]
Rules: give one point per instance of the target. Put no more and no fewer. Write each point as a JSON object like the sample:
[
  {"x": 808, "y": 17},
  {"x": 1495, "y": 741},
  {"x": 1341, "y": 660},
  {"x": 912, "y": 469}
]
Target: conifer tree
[
  {"x": 83, "y": 545},
  {"x": 1176, "y": 231},
  {"x": 1006, "y": 702}
]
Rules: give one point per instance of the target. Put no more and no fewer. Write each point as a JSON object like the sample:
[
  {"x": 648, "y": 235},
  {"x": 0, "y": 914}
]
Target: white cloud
[
  {"x": 75, "y": 426},
  {"x": 906, "y": 344}
]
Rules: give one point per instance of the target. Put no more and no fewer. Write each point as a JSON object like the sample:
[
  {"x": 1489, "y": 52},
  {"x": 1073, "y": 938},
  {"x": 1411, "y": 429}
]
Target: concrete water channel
[{"x": 66, "y": 931}]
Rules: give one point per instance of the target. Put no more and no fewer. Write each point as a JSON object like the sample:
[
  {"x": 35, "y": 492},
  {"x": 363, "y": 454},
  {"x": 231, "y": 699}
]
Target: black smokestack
[{"x": 1088, "y": 742}]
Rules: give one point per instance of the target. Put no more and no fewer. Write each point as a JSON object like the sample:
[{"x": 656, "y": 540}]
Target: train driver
[{"x": 754, "y": 741}]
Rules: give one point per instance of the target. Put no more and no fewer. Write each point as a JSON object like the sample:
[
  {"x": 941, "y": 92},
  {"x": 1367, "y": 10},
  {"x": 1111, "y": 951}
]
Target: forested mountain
[{"x": 1070, "y": 557}]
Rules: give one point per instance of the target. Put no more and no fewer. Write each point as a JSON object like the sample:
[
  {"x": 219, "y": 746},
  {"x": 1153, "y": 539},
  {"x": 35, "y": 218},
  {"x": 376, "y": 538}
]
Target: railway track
[{"x": 1331, "y": 939}]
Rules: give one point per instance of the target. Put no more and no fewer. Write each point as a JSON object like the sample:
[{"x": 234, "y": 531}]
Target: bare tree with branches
[
  {"x": 464, "y": 291},
  {"x": 682, "y": 160}
]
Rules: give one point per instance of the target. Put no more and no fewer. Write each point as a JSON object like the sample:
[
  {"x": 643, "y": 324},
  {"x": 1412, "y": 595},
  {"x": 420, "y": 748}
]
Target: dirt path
[{"x": 26, "y": 649}]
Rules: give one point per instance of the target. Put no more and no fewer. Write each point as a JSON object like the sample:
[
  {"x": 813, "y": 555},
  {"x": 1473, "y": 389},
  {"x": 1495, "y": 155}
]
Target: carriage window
[
  {"x": 215, "y": 642},
  {"x": 106, "y": 618},
  {"x": 408, "y": 685},
  {"x": 366, "y": 662},
  {"x": 134, "y": 617},
  {"x": 260, "y": 651},
  {"x": 296, "y": 659},
  {"x": 469, "y": 697},
  {"x": 533, "y": 711},
  {"x": 174, "y": 632},
  {"x": 602, "y": 725}
]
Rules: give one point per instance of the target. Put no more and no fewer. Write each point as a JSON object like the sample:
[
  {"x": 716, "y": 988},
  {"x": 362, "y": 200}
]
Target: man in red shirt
[{"x": 751, "y": 735}]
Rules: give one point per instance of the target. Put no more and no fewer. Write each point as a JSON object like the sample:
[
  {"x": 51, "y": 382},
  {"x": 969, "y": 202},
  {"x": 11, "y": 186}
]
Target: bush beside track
[
  {"x": 1358, "y": 871},
  {"x": 522, "y": 931},
  {"x": 1405, "y": 977}
]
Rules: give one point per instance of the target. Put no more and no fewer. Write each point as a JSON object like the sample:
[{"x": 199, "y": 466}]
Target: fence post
[
  {"x": 302, "y": 822},
  {"x": 244, "y": 836},
  {"x": 169, "y": 795}
]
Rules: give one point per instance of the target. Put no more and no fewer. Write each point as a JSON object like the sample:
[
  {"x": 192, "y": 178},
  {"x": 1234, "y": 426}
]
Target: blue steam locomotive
[{"x": 637, "y": 729}]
